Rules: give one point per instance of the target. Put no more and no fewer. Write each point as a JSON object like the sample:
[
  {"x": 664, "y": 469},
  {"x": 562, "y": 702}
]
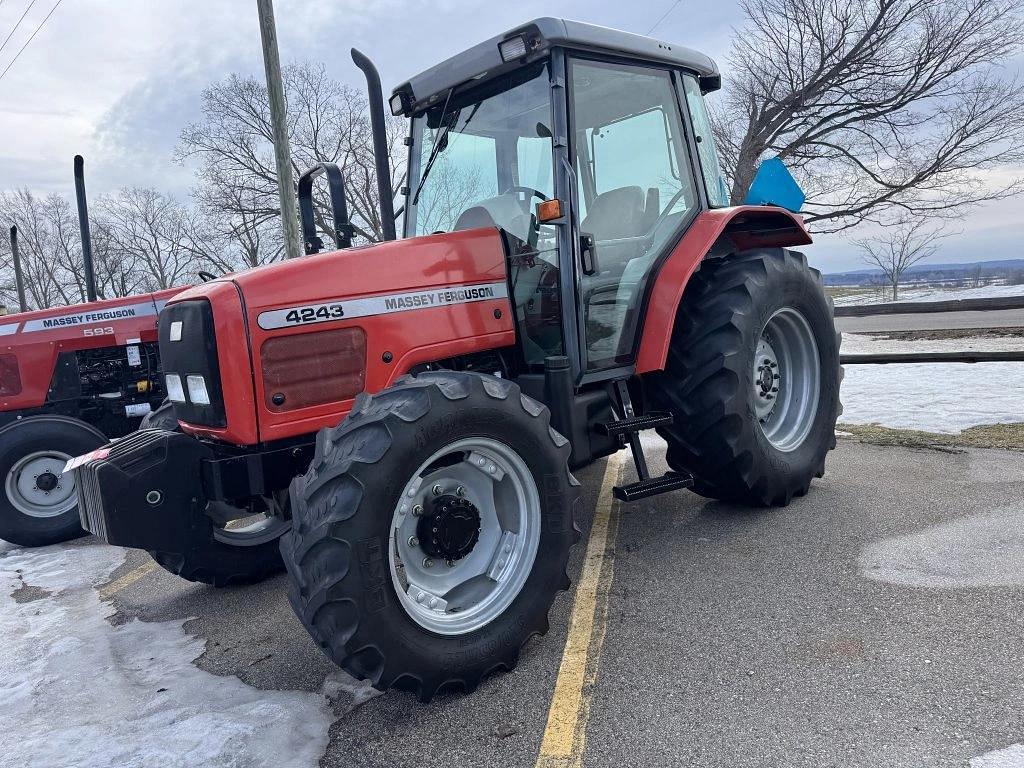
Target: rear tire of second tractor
[
  {"x": 432, "y": 532},
  {"x": 752, "y": 378}
]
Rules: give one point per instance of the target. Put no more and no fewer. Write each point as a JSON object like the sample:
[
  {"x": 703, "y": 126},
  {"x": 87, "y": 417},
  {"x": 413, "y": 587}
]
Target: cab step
[
  {"x": 652, "y": 486},
  {"x": 628, "y": 430},
  {"x": 635, "y": 423}
]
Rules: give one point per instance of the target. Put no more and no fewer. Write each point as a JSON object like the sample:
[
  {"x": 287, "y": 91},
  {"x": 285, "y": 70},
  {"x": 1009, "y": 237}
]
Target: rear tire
[
  {"x": 357, "y": 575},
  {"x": 38, "y": 505},
  {"x": 752, "y": 378}
]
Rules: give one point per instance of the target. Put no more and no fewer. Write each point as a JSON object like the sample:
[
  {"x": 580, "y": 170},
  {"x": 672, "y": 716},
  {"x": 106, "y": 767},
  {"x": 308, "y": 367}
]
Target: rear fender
[{"x": 724, "y": 230}]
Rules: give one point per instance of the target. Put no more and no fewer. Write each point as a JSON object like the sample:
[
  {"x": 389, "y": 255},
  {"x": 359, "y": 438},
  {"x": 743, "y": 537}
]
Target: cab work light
[{"x": 513, "y": 48}]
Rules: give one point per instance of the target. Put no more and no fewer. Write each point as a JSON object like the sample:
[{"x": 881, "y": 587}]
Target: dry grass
[{"x": 1005, "y": 436}]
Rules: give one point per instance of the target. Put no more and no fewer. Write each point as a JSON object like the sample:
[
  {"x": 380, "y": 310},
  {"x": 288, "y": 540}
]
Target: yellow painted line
[
  {"x": 127, "y": 580},
  {"x": 565, "y": 734}
]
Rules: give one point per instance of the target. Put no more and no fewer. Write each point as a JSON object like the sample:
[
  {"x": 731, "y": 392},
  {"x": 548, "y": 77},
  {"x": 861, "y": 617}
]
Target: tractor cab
[{"x": 590, "y": 149}]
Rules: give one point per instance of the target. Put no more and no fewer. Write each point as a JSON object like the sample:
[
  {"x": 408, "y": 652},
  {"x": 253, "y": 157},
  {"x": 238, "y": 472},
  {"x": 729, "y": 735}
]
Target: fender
[{"x": 744, "y": 227}]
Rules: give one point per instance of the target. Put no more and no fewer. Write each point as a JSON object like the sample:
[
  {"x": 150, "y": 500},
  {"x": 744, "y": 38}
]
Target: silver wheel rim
[
  {"x": 36, "y": 486},
  {"x": 462, "y": 595},
  {"x": 253, "y": 530},
  {"x": 786, "y": 379}
]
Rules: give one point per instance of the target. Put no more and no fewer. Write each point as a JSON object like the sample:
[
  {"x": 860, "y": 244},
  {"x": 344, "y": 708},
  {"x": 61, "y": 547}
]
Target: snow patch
[
  {"x": 1010, "y": 757},
  {"x": 933, "y": 397},
  {"x": 927, "y": 293},
  {"x": 78, "y": 691},
  {"x": 985, "y": 550}
]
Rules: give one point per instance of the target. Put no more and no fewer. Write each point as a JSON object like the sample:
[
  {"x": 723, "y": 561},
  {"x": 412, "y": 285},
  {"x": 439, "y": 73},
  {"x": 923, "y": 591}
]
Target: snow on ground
[
  {"x": 985, "y": 550},
  {"x": 928, "y": 293},
  {"x": 1011, "y": 757},
  {"x": 933, "y": 397},
  {"x": 78, "y": 691}
]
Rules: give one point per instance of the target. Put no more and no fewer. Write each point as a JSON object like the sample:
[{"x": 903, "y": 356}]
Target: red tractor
[
  {"x": 397, "y": 423},
  {"x": 71, "y": 378}
]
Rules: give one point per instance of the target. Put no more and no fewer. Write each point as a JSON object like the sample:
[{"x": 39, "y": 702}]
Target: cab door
[{"x": 636, "y": 193}]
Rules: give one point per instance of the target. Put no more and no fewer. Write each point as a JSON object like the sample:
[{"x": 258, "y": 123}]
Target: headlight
[
  {"x": 175, "y": 392},
  {"x": 197, "y": 390}
]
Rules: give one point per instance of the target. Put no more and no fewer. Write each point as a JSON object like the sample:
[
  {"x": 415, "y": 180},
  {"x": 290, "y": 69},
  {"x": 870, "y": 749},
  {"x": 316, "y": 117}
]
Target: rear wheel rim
[
  {"x": 786, "y": 379},
  {"x": 37, "y": 487},
  {"x": 459, "y": 595}
]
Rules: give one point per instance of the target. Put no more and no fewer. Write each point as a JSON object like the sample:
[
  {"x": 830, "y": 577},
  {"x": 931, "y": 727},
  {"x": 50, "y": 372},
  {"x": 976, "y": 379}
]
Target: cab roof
[{"x": 483, "y": 61}]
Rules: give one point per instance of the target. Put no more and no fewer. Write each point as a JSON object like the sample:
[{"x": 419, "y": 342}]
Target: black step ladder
[{"x": 629, "y": 427}]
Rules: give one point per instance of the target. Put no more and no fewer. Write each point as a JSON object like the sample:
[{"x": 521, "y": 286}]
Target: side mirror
[{"x": 774, "y": 185}]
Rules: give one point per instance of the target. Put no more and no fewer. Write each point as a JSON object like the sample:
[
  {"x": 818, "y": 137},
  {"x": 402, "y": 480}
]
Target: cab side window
[{"x": 635, "y": 188}]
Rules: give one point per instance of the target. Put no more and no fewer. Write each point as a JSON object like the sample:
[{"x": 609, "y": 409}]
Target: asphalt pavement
[{"x": 875, "y": 622}]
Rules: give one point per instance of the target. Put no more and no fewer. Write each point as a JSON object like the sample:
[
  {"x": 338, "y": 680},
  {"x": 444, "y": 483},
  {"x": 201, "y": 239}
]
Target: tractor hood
[{"x": 299, "y": 339}]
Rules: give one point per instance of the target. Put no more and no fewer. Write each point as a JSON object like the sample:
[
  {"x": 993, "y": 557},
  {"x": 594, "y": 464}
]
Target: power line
[
  {"x": 664, "y": 16},
  {"x": 7, "y": 39},
  {"x": 31, "y": 38}
]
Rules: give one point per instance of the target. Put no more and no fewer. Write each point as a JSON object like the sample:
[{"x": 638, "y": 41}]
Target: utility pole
[
  {"x": 279, "y": 122},
  {"x": 18, "y": 279}
]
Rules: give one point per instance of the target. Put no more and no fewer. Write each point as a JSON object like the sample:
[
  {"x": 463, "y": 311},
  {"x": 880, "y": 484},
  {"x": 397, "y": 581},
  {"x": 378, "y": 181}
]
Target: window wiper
[
  {"x": 442, "y": 142},
  {"x": 439, "y": 144}
]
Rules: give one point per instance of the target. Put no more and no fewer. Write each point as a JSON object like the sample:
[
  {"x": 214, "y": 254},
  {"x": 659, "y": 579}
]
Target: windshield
[{"x": 483, "y": 158}]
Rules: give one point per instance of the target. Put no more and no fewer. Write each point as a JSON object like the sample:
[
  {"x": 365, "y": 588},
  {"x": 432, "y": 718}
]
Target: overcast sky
[{"x": 116, "y": 80}]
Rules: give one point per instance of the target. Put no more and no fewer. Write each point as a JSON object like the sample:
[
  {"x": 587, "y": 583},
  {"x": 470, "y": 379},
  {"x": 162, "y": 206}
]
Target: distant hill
[{"x": 929, "y": 272}]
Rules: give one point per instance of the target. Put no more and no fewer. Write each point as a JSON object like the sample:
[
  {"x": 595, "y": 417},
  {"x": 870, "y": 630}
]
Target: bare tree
[
  {"x": 327, "y": 122},
  {"x": 156, "y": 234},
  {"x": 883, "y": 108},
  {"x": 908, "y": 243}
]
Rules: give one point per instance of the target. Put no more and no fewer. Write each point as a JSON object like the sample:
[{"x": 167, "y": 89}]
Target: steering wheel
[
  {"x": 662, "y": 216},
  {"x": 528, "y": 191},
  {"x": 206, "y": 276}
]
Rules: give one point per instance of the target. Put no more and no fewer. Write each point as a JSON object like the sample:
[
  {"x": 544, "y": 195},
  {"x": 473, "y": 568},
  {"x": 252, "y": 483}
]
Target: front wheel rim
[
  {"x": 786, "y": 379},
  {"x": 37, "y": 487},
  {"x": 463, "y": 581}
]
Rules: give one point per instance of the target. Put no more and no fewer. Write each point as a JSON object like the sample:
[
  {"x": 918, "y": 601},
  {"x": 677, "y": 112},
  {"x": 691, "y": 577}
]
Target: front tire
[
  {"x": 39, "y": 505},
  {"x": 242, "y": 551},
  {"x": 432, "y": 532},
  {"x": 752, "y": 378}
]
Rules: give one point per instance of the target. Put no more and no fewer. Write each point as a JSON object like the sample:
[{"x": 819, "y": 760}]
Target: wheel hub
[
  {"x": 46, "y": 482},
  {"x": 767, "y": 379},
  {"x": 451, "y": 529}
]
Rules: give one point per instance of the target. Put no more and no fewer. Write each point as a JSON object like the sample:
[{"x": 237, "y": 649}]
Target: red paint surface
[
  {"x": 675, "y": 273},
  {"x": 37, "y": 351},
  {"x": 417, "y": 336}
]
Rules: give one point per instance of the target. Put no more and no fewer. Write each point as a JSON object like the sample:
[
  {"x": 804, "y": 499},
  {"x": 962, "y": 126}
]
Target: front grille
[{"x": 195, "y": 354}]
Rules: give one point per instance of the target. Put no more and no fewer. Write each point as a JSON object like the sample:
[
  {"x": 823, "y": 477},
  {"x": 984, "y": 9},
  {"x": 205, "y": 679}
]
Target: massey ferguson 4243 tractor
[{"x": 402, "y": 418}]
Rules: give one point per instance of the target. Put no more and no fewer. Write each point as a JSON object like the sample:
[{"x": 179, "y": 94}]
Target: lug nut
[
  {"x": 460, "y": 491},
  {"x": 414, "y": 542},
  {"x": 437, "y": 489},
  {"x": 428, "y": 563},
  {"x": 417, "y": 510}
]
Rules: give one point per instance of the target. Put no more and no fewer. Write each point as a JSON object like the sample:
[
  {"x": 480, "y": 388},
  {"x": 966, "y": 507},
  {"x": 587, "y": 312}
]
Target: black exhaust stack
[
  {"x": 380, "y": 144},
  {"x": 18, "y": 279},
  {"x": 83, "y": 223}
]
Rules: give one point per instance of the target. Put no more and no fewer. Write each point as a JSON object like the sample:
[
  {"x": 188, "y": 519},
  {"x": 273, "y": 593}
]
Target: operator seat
[{"x": 616, "y": 214}]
